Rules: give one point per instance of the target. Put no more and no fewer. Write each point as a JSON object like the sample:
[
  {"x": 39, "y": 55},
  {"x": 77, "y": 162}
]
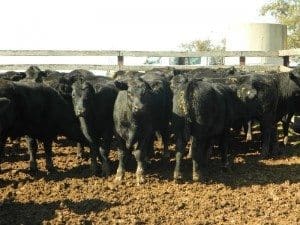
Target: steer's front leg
[
  {"x": 179, "y": 155},
  {"x": 32, "y": 149},
  {"x": 121, "y": 155},
  {"x": 48, "y": 153}
]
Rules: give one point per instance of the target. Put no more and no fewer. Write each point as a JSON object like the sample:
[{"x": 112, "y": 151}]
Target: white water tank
[{"x": 256, "y": 37}]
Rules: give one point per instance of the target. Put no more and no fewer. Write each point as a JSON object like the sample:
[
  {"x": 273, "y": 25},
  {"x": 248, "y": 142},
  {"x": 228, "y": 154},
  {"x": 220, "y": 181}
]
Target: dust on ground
[{"x": 255, "y": 192}]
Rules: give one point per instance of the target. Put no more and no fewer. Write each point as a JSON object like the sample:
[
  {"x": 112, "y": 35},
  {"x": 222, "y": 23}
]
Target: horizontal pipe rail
[
  {"x": 139, "y": 53},
  {"x": 285, "y": 54},
  {"x": 124, "y": 67}
]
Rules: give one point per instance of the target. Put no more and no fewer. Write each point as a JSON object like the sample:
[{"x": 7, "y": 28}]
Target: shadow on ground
[{"x": 12, "y": 212}]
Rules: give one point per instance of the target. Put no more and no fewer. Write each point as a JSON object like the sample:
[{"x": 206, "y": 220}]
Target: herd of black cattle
[{"x": 203, "y": 106}]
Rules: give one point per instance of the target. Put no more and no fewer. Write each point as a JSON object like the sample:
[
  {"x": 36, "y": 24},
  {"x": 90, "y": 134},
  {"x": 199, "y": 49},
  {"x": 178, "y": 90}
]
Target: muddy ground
[{"x": 255, "y": 192}]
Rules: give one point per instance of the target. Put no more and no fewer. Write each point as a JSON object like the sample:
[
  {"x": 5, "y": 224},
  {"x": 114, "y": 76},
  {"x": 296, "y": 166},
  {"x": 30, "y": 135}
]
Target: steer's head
[
  {"x": 34, "y": 73},
  {"x": 246, "y": 92},
  {"x": 177, "y": 81},
  {"x": 138, "y": 94},
  {"x": 294, "y": 75},
  {"x": 82, "y": 94}
]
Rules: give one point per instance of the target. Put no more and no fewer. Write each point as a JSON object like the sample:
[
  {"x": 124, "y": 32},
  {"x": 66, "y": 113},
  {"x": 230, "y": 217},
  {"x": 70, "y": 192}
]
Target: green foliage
[
  {"x": 206, "y": 45},
  {"x": 286, "y": 12},
  {"x": 198, "y": 45}
]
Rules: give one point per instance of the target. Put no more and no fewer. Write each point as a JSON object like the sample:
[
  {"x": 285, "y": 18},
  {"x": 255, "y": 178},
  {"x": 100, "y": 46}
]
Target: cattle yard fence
[{"x": 120, "y": 65}]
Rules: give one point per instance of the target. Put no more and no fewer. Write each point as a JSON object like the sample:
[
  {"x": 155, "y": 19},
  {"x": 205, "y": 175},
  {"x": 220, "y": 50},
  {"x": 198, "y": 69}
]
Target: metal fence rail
[{"x": 285, "y": 54}]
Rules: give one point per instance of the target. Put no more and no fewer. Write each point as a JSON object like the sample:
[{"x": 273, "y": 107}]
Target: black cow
[
  {"x": 179, "y": 125},
  {"x": 122, "y": 75},
  {"x": 62, "y": 83},
  {"x": 162, "y": 100},
  {"x": 38, "y": 111},
  {"x": 292, "y": 102},
  {"x": 234, "y": 82},
  {"x": 205, "y": 111},
  {"x": 182, "y": 79},
  {"x": 34, "y": 73},
  {"x": 269, "y": 98},
  {"x": 286, "y": 121},
  {"x": 139, "y": 111},
  {"x": 13, "y": 76},
  {"x": 287, "y": 110},
  {"x": 201, "y": 73},
  {"x": 93, "y": 104}
]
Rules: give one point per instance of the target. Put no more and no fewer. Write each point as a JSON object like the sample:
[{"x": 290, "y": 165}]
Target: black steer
[
  {"x": 136, "y": 119},
  {"x": 37, "y": 111},
  {"x": 93, "y": 104},
  {"x": 205, "y": 111},
  {"x": 269, "y": 98}
]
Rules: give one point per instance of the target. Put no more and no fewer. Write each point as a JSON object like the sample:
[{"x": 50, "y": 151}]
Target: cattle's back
[
  {"x": 161, "y": 97},
  {"x": 206, "y": 108},
  {"x": 40, "y": 110},
  {"x": 105, "y": 101},
  {"x": 122, "y": 115}
]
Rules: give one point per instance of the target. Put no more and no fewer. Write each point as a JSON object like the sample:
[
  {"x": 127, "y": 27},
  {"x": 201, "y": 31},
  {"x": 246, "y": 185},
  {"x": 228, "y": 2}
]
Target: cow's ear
[
  {"x": 4, "y": 103},
  {"x": 231, "y": 71},
  {"x": 121, "y": 85},
  {"x": 32, "y": 71},
  {"x": 88, "y": 86}
]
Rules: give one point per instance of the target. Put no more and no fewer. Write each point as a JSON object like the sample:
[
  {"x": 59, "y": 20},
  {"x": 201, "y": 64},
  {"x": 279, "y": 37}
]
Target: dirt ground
[{"x": 255, "y": 192}]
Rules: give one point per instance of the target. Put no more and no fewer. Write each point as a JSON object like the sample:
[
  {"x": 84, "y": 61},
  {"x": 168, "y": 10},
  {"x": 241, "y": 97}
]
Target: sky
[{"x": 120, "y": 24}]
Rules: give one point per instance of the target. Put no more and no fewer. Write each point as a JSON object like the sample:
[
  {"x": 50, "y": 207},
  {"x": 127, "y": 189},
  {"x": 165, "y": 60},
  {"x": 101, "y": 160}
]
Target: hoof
[
  {"x": 278, "y": 152},
  {"x": 119, "y": 176},
  {"x": 147, "y": 161},
  {"x": 196, "y": 176},
  {"x": 285, "y": 140},
  {"x": 95, "y": 169},
  {"x": 189, "y": 156},
  {"x": 275, "y": 153},
  {"x": 275, "y": 149},
  {"x": 200, "y": 176},
  {"x": 265, "y": 155},
  {"x": 33, "y": 171},
  {"x": 178, "y": 176},
  {"x": 105, "y": 170},
  {"x": 227, "y": 168},
  {"x": 79, "y": 156},
  {"x": 51, "y": 170},
  {"x": 248, "y": 137},
  {"x": 140, "y": 177},
  {"x": 33, "y": 167}
]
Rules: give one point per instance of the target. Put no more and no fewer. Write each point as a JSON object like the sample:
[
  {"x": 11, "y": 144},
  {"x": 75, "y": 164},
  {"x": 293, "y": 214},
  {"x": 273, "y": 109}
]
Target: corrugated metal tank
[{"x": 255, "y": 37}]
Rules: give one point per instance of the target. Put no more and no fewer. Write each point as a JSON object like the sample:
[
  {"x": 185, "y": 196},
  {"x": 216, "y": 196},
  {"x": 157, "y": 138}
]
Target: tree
[
  {"x": 206, "y": 45},
  {"x": 197, "y": 45},
  {"x": 286, "y": 12}
]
